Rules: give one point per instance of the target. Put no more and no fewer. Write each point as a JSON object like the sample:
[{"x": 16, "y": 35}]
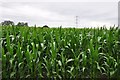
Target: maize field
[{"x": 60, "y": 53}]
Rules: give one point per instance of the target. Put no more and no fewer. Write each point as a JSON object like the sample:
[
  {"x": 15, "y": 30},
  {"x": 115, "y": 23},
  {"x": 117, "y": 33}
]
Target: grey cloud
[
  {"x": 95, "y": 10},
  {"x": 87, "y": 11}
]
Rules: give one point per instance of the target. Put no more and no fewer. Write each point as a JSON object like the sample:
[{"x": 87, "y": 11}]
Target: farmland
[{"x": 60, "y": 53}]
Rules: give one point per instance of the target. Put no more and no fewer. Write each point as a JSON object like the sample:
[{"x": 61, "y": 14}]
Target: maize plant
[{"x": 60, "y": 53}]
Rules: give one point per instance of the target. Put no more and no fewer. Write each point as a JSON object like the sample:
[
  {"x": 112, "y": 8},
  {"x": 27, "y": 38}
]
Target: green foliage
[
  {"x": 7, "y": 23},
  {"x": 45, "y": 26},
  {"x": 29, "y": 52},
  {"x": 22, "y": 24}
]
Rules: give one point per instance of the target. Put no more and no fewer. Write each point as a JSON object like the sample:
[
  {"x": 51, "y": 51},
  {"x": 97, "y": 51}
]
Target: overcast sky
[{"x": 54, "y": 14}]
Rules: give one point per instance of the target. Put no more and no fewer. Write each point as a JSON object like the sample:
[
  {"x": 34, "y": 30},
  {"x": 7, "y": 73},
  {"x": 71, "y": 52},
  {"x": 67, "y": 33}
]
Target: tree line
[
  {"x": 23, "y": 24},
  {"x": 11, "y": 23}
]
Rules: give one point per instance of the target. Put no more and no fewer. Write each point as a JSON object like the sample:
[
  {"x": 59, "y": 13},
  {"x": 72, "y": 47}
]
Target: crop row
[{"x": 60, "y": 53}]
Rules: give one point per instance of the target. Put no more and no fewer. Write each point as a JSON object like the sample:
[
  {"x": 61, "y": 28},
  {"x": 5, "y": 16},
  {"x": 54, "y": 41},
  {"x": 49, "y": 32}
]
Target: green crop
[
  {"x": 60, "y": 53},
  {"x": 0, "y": 53}
]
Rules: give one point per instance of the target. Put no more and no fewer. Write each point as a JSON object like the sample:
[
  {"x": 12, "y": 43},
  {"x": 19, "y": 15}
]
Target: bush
[{"x": 45, "y": 26}]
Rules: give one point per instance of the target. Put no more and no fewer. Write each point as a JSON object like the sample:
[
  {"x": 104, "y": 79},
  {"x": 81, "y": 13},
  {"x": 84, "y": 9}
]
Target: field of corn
[{"x": 60, "y": 53}]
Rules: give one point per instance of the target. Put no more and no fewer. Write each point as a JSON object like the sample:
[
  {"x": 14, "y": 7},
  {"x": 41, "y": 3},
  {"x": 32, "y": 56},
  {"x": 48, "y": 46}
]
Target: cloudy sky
[{"x": 54, "y": 14}]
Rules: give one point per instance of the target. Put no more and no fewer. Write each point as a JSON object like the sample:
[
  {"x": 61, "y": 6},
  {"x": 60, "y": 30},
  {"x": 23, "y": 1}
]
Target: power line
[{"x": 76, "y": 21}]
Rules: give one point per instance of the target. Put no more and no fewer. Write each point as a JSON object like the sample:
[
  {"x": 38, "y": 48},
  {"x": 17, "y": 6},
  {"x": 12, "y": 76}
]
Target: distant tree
[
  {"x": 7, "y": 23},
  {"x": 22, "y": 24},
  {"x": 45, "y": 26},
  {"x": 35, "y": 25},
  {"x": 61, "y": 26},
  {"x": 26, "y": 24}
]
